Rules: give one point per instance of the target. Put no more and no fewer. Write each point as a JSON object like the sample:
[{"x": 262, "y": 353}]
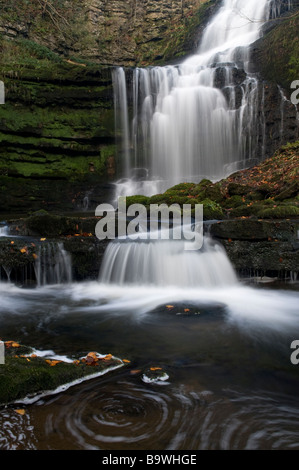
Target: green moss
[
  {"x": 233, "y": 202},
  {"x": 278, "y": 52},
  {"x": 157, "y": 199},
  {"x": 177, "y": 40},
  {"x": 138, "y": 199},
  {"x": 212, "y": 210},
  {"x": 247, "y": 210},
  {"x": 182, "y": 188},
  {"x": 279, "y": 212}
]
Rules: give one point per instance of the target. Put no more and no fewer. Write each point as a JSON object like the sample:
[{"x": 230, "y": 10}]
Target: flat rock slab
[{"x": 27, "y": 375}]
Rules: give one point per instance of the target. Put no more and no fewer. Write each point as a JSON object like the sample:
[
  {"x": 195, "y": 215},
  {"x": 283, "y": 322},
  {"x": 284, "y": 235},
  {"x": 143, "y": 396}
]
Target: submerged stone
[{"x": 155, "y": 375}]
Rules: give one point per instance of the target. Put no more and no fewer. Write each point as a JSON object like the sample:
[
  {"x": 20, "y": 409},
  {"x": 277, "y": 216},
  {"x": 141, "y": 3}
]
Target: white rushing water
[
  {"x": 196, "y": 119},
  {"x": 53, "y": 265},
  {"x": 4, "y": 231}
]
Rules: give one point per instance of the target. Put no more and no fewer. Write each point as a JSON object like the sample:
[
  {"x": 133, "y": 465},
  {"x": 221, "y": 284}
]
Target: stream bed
[{"x": 226, "y": 350}]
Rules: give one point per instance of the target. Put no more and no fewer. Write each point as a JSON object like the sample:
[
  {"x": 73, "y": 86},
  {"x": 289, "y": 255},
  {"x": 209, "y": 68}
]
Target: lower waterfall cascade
[{"x": 166, "y": 263}]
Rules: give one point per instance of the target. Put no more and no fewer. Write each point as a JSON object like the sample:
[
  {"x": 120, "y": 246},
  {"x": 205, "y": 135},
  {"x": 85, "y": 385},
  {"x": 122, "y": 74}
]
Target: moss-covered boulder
[
  {"x": 27, "y": 374},
  {"x": 276, "y": 54}
]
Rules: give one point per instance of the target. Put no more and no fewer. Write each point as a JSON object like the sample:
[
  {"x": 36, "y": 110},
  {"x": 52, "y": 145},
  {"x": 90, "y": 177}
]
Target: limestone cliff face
[
  {"x": 113, "y": 32},
  {"x": 57, "y": 126},
  {"x": 274, "y": 58},
  {"x": 137, "y": 31}
]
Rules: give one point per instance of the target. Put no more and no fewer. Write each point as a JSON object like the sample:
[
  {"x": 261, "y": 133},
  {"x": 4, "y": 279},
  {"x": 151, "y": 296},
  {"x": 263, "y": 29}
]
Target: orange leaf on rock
[
  {"x": 20, "y": 411},
  {"x": 108, "y": 357},
  {"x": 52, "y": 362},
  {"x": 91, "y": 359}
]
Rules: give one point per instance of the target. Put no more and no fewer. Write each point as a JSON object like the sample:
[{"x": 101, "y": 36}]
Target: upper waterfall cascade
[{"x": 197, "y": 119}]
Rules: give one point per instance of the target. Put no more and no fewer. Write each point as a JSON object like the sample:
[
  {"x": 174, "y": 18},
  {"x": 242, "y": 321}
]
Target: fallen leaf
[
  {"x": 52, "y": 362},
  {"x": 108, "y": 357},
  {"x": 20, "y": 411}
]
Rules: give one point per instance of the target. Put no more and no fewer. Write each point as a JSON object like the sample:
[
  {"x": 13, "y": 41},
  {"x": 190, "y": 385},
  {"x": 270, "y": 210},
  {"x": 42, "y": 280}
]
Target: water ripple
[{"x": 130, "y": 415}]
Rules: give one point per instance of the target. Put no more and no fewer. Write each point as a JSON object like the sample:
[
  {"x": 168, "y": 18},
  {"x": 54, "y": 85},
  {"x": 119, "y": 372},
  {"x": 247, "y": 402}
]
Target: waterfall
[
  {"x": 4, "y": 231},
  {"x": 166, "y": 263},
  {"x": 197, "y": 119},
  {"x": 53, "y": 264}
]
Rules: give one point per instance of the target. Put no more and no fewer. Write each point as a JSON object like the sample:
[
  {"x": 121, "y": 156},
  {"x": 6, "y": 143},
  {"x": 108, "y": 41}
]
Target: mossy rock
[
  {"x": 279, "y": 212},
  {"x": 212, "y": 210},
  {"x": 48, "y": 225},
  {"x": 214, "y": 192},
  {"x": 183, "y": 188},
  {"x": 25, "y": 374},
  {"x": 204, "y": 182},
  {"x": 233, "y": 202},
  {"x": 290, "y": 192},
  {"x": 138, "y": 199},
  {"x": 157, "y": 199},
  {"x": 276, "y": 53},
  {"x": 246, "y": 210},
  {"x": 255, "y": 195},
  {"x": 208, "y": 190},
  {"x": 237, "y": 189}
]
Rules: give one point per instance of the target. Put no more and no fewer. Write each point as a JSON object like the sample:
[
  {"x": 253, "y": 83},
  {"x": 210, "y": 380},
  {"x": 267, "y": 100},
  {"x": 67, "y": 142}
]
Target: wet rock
[
  {"x": 28, "y": 374},
  {"x": 260, "y": 247},
  {"x": 155, "y": 375},
  {"x": 208, "y": 311}
]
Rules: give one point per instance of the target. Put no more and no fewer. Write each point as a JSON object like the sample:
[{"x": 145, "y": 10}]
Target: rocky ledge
[{"x": 253, "y": 213}]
